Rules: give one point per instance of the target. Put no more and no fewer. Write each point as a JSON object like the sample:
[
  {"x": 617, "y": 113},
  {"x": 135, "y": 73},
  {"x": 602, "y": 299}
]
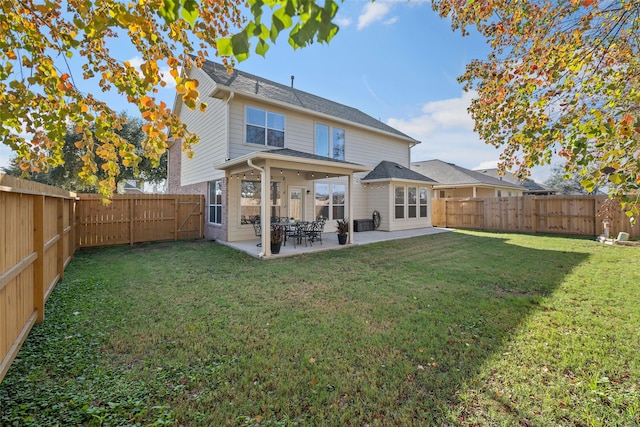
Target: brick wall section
[{"x": 211, "y": 231}]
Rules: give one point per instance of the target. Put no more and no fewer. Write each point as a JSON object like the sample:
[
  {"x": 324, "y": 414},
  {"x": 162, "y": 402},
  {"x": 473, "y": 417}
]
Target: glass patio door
[{"x": 296, "y": 205}]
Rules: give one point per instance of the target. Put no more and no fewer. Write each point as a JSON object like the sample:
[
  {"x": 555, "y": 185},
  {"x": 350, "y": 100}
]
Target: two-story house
[{"x": 310, "y": 156}]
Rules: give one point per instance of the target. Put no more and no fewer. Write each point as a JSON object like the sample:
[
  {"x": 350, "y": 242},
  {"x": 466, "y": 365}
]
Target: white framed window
[
  {"x": 412, "y": 202},
  {"x": 215, "y": 202},
  {"x": 251, "y": 197},
  {"x": 400, "y": 201},
  {"x": 264, "y": 127},
  {"x": 330, "y": 200},
  {"x": 424, "y": 202},
  {"x": 330, "y": 141}
]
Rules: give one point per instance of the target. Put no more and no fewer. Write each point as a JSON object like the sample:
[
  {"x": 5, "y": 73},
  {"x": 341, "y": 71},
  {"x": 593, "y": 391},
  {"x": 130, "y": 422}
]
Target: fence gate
[
  {"x": 190, "y": 218},
  {"x": 136, "y": 218}
]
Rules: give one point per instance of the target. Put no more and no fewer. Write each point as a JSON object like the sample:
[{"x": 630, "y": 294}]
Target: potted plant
[
  {"x": 343, "y": 230},
  {"x": 276, "y": 238}
]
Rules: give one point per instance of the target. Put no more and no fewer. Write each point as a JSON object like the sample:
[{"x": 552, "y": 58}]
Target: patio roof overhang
[{"x": 312, "y": 166}]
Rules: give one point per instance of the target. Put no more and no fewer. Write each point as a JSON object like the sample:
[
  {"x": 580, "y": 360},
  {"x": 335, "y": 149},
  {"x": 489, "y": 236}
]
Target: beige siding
[
  {"x": 378, "y": 199},
  {"x": 361, "y": 146},
  {"x": 211, "y": 127}
]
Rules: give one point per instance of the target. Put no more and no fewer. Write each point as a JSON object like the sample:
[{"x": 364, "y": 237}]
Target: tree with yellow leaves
[
  {"x": 40, "y": 96},
  {"x": 562, "y": 77}
]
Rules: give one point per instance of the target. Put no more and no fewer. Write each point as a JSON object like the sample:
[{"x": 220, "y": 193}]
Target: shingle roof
[
  {"x": 451, "y": 174},
  {"x": 391, "y": 170},
  {"x": 529, "y": 184},
  {"x": 295, "y": 153},
  {"x": 240, "y": 81}
]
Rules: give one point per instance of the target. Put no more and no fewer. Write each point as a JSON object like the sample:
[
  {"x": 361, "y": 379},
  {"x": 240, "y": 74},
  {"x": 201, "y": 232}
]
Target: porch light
[
  {"x": 280, "y": 171},
  {"x": 298, "y": 173}
]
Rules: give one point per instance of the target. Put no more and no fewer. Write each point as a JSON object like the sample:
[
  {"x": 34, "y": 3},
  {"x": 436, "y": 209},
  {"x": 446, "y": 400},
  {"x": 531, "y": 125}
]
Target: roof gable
[{"x": 253, "y": 85}]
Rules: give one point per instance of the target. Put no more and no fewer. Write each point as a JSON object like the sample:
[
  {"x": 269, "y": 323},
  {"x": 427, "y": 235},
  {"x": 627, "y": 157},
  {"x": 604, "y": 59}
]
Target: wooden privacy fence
[
  {"x": 578, "y": 215},
  {"x": 130, "y": 219},
  {"x": 36, "y": 244},
  {"x": 42, "y": 226}
]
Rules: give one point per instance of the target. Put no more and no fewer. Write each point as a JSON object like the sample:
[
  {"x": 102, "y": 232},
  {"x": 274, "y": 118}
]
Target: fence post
[
  {"x": 446, "y": 216},
  {"x": 38, "y": 265},
  {"x": 61, "y": 238},
  {"x": 175, "y": 218},
  {"x": 131, "y": 216}
]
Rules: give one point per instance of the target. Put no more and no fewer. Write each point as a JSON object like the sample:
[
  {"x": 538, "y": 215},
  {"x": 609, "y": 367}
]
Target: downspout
[
  {"x": 228, "y": 118},
  {"x": 264, "y": 224}
]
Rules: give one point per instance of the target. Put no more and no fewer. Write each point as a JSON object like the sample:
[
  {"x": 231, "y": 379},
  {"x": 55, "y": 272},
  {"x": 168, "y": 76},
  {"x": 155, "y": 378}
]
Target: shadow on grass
[{"x": 196, "y": 333}]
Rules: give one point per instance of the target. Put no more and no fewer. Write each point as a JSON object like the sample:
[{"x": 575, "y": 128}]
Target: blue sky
[{"x": 397, "y": 61}]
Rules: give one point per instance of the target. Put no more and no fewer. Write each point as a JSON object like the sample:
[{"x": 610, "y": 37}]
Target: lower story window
[
  {"x": 424, "y": 212},
  {"x": 215, "y": 202},
  {"x": 251, "y": 198},
  {"x": 399, "y": 202},
  {"x": 330, "y": 201},
  {"x": 410, "y": 202}
]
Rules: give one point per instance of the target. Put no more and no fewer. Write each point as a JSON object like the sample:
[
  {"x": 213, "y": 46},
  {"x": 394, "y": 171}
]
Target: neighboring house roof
[
  {"x": 530, "y": 185},
  {"x": 387, "y": 170},
  {"x": 256, "y": 86},
  {"x": 450, "y": 174}
]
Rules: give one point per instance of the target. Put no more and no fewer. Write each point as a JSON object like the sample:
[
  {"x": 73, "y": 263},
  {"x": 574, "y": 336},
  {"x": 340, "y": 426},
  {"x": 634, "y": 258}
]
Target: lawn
[{"x": 456, "y": 329}]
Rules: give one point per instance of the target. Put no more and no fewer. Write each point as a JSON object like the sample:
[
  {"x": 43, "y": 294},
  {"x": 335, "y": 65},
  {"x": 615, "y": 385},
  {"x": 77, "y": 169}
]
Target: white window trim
[
  {"x": 212, "y": 205},
  {"x": 266, "y": 127},
  {"x": 330, "y": 148}
]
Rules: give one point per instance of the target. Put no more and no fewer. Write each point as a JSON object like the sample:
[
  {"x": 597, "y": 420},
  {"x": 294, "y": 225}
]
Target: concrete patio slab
[{"x": 330, "y": 242}]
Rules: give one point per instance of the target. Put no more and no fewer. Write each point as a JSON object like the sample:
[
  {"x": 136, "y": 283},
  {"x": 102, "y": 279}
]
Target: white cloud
[
  {"x": 445, "y": 129},
  {"x": 373, "y": 12},
  {"x": 343, "y": 22},
  {"x": 391, "y": 21}
]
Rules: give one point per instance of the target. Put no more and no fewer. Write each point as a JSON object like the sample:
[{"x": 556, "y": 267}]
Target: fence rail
[
  {"x": 577, "y": 215},
  {"x": 41, "y": 227}
]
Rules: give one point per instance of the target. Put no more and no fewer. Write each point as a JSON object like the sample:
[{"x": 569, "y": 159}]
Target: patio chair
[
  {"x": 257, "y": 228},
  {"x": 297, "y": 232},
  {"x": 314, "y": 233}
]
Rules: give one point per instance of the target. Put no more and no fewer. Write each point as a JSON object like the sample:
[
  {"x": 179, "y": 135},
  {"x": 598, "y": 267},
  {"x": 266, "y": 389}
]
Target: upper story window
[
  {"x": 329, "y": 142},
  {"x": 265, "y": 127}
]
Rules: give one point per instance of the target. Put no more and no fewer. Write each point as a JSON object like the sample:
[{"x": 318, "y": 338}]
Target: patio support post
[
  {"x": 350, "y": 193},
  {"x": 265, "y": 216}
]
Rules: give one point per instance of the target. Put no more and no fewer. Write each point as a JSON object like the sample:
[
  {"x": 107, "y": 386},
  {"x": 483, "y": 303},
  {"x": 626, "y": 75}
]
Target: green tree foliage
[
  {"x": 565, "y": 183},
  {"x": 40, "y": 96},
  {"x": 562, "y": 77},
  {"x": 66, "y": 175}
]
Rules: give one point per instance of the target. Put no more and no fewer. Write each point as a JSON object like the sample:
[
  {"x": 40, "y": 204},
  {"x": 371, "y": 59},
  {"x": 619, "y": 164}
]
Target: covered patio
[
  {"x": 330, "y": 242},
  {"x": 293, "y": 171}
]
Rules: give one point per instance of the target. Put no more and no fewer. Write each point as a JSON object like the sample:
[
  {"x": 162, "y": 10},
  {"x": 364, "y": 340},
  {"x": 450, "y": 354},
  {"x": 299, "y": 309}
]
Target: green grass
[{"x": 463, "y": 328}]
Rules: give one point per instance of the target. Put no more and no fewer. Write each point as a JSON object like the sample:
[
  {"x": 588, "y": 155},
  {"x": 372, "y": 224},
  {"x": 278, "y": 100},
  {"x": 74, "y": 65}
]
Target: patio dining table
[{"x": 286, "y": 227}]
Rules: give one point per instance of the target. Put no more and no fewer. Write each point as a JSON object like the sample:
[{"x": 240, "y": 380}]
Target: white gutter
[{"x": 228, "y": 119}]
